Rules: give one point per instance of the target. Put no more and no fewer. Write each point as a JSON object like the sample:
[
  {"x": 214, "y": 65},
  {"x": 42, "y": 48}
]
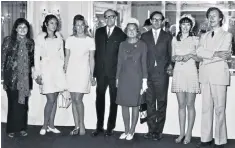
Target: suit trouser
[
  {"x": 17, "y": 116},
  {"x": 102, "y": 83},
  {"x": 157, "y": 92},
  {"x": 213, "y": 97}
]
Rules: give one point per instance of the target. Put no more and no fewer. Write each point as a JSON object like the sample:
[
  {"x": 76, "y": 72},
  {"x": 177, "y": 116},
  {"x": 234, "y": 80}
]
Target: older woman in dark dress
[
  {"x": 131, "y": 77},
  {"x": 17, "y": 60}
]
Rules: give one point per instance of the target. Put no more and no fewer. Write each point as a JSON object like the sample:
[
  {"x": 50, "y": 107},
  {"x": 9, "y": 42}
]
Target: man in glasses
[
  {"x": 107, "y": 40},
  {"x": 159, "y": 58}
]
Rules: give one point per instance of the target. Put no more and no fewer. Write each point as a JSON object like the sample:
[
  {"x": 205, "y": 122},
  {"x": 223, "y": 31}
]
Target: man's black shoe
[
  {"x": 204, "y": 144},
  {"x": 97, "y": 132},
  {"x": 219, "y": 146},
  {"x": 148, "y": 135},
  {"x": 157, "y": 136},
  {"x": 108, "y": 133}
]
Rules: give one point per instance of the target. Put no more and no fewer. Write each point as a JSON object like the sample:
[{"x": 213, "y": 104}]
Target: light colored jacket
[{"x": 214, "y": 70}]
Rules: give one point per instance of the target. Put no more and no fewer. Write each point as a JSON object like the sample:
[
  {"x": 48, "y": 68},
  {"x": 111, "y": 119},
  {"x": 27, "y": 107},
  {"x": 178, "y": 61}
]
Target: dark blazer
[
  {"x": 159, "y": 52},
  {"x": 106, "y": 54}
]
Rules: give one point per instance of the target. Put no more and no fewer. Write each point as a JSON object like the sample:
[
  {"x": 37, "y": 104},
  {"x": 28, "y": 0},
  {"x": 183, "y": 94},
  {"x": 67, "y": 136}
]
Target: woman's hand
[
  {"x": 93, "y": 81},
  {"x": 144, "y": 85},
  {"x": 178, "y": 58},
  {"x": 116, "y": 82},
  {"x": 187, "y": 57},
  {"x": 39, "y": 80},
  {"x": 65, "y": 68}
]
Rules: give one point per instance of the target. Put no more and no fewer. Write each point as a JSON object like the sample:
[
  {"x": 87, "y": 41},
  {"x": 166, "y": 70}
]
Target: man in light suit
[{"x": 214, "y": 49}]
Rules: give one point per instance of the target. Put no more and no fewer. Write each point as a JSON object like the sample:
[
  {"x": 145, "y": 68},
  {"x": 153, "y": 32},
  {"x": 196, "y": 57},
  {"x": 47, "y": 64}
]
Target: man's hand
[{"x": 222, "y": 54}]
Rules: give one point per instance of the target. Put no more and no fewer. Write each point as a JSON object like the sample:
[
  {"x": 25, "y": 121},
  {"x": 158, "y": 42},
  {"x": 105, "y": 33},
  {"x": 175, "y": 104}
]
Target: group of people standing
[{"x": 130, "y": 64}]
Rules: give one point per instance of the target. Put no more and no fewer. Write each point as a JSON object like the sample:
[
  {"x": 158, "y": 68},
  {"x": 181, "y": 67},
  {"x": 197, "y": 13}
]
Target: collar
[
  {"x": 158, "y": 30},
  {"x": 216, "y": 30},
  {"x": 111, "y": 28}
]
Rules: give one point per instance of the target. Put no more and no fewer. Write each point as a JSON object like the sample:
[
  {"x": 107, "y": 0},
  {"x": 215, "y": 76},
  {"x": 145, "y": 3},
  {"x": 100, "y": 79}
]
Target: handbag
[
  {"x": 64, "y": 99},
  {"x": 143, "y": 109}
]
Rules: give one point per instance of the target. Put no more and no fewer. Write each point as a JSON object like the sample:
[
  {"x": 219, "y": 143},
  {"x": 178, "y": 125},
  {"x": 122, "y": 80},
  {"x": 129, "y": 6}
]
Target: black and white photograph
[{"x": 117, "y": 74}]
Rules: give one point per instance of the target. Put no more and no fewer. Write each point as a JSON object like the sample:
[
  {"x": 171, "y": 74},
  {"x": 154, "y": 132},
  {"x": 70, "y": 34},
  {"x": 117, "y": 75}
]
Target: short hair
[
  {"x": 137, "y": 28},
  {"x": 115, "y": 12},
  {"x": 221, "y": 15},
  {"x": 147, "y": 22},
  {"x": 156, "y": 12}
]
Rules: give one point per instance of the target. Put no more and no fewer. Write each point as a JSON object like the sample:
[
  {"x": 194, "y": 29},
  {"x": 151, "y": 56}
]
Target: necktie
[
  {"x": 109, "y": 32},
  {"x": 155, "y": 37},
  {"x": 212, "y": 34}
]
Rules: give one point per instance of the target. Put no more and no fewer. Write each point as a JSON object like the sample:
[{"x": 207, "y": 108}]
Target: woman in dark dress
[
  {"x": 131, "y": 77},
  {"x": 17, "y": 60}
]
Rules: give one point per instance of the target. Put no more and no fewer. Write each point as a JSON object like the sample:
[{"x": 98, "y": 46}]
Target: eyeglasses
[
  {"x": 156, "y": 20},
  {"x": 110, "y": 17}
]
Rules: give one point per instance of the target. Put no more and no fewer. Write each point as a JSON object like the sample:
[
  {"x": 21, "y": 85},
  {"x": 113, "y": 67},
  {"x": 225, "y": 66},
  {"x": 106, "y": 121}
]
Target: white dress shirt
[
  {"x": 111, "y": 29},
  {"x": 156, "y": 34}
]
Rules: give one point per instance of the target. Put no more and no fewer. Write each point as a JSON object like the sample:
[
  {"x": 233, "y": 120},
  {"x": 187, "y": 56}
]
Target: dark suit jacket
[
  {"x": 106, "y": 53},
  {"x": 159, "y": 52}
]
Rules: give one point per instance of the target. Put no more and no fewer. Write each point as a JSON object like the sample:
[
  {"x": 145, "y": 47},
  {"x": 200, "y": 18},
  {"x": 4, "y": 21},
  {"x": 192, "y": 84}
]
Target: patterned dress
[{"x": 185, "y": 75}]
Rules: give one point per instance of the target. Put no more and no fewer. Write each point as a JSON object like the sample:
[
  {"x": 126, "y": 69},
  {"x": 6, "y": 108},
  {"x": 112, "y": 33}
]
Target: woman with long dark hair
[
  {"x": 80, "y": 78},
  {"x": 185, "y": 76},
  {"x": 49, "y": 73},
  {"x": 17, "y": 61}
]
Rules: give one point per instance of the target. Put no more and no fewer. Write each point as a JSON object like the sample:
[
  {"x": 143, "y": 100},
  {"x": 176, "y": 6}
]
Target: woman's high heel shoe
[
  {"x": 43, "y": 131},
  {"x": 54, "y": 130},
  {"x": 123, "y": 136},
  {"x": 130, "y": 136},
  {"x": 187, "y": 140},
  {"x": 178, "y": 140},
  {"x": 74, "y": 132}
]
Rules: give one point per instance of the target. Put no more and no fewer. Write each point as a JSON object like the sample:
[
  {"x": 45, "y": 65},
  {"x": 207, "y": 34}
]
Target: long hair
[
  {"x": 80, "y": 18},
  {"x": 185, "y": 20},
  {"x": 45, "y": 22},
  {"x": 18, "y": 22}
]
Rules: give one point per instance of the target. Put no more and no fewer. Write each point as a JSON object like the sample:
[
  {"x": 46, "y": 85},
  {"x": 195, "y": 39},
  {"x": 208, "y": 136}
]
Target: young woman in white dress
[
  {"x": 49, "y": 72},
  {"x": 185, "y": 81},
  {"x": 79, "y": 67}
]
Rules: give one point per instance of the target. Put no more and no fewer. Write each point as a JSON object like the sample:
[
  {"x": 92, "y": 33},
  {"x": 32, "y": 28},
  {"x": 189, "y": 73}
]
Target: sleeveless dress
[
  {"x": 78, "y": 70},
  {"x": 185, "y": 74}
]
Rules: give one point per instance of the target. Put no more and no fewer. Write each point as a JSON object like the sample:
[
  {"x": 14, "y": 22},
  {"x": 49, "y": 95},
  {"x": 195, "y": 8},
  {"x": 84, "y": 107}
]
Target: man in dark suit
[
  {"x": 107, "y": 40},
  {"x": 159, "y": 58}
]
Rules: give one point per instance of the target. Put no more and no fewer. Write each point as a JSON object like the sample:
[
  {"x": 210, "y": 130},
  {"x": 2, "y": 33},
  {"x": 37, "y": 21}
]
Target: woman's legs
[
  {"x": 191, "y": 115},
  {"x": 78, "y": 103},
  {"x": 53, "y": 112},
  {"x": 49, "y": 109},
  {"x": 181, "y": 97},
  {"x": 126, "y": 118},
  {"x": 75, "y": 110},
  {"x": 135, "y": 116}
]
